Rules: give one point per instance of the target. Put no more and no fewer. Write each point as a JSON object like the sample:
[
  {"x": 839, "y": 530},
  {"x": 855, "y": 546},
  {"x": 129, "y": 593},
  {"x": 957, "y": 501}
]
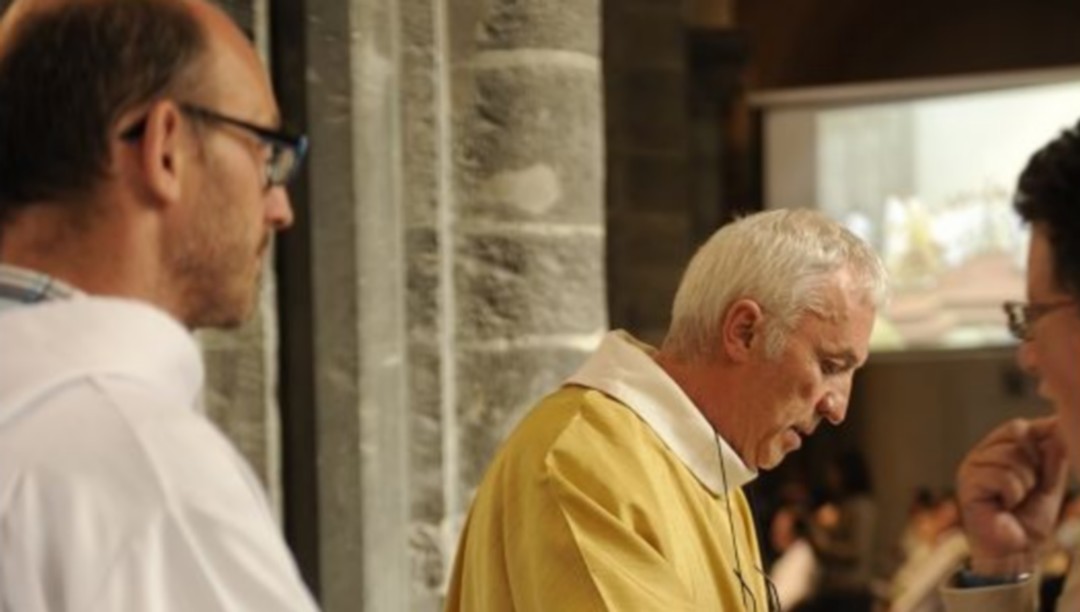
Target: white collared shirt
[{"x": 116, "y": 493}]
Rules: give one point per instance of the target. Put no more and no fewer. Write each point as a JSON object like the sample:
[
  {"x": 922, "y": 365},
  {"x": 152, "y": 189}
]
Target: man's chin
[
  {"x": 225, "y": 315},
  {"x": 770, "y": 462}
]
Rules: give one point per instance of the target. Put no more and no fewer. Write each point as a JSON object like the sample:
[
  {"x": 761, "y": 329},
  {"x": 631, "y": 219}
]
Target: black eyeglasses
[
  {"x": 746, "y": 592},
  {"x": 286, "y": 150},
  {"x": 1022, "y": 316}
]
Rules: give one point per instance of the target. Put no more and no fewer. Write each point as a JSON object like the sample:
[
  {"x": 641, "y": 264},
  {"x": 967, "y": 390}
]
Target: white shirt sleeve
[
  {"x": 203, "y": 563},
  {"x": 1020, "y": 597}
]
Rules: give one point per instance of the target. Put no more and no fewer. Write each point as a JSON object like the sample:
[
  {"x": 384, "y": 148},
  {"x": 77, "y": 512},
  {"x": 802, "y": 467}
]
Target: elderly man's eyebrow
[{"x": 847, "y": 356}]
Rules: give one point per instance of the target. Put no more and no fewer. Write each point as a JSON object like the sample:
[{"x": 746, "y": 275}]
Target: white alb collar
[
  {"x": 96, "y": 335},
  {"x": 623, "y": 368}
]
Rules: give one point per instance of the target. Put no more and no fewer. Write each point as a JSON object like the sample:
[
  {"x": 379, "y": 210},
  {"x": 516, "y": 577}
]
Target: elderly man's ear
[{"x": 740, "y": 329}]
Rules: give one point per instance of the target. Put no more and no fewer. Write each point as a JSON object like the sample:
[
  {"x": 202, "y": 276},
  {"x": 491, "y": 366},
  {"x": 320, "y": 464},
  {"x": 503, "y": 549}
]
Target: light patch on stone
[
  {"x": 530, "y": 58},
  {"x": 583, "y": 342},
  {"x": 534, "y": 190}
]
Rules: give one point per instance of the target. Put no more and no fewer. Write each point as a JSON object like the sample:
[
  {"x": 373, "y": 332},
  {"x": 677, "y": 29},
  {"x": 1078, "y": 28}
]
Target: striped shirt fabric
[{"x": 19, "y": 286}]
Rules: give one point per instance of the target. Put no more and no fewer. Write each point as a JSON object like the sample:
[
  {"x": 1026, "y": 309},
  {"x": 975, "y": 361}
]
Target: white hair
[{"x": 785, "y": 260}]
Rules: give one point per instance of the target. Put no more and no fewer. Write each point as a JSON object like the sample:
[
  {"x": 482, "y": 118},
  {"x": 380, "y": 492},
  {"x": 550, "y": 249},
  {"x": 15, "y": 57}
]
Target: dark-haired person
[
  {"x": 141, "y": 176},
  {"x": 1010, "y": 486}
]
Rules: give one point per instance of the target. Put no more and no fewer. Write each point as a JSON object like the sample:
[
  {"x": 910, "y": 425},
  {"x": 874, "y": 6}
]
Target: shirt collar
[
  {"x": 85, "y": 336},
  {"x": 624, "y": 369},
  {"x": 22, "y": 286}
]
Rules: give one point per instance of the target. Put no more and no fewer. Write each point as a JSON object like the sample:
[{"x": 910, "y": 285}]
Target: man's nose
[
  {"x": 279, "y": 210},
  {"x": 833, "y": 407},
  {"x": 1027, "y": 359}
]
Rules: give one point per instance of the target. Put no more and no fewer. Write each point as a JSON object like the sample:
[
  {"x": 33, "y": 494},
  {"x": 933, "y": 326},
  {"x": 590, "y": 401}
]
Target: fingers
[
  {"x": 1010, "y": 463},
  {"x": 1055, "y": 466},
  {"x": 1010, "y": 484},
  {"x": 1004, "y": 474}
]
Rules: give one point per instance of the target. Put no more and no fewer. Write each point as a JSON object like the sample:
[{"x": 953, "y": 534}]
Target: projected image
[
  {"x": 952, "y": 263},
  {"x": 929, "y": 182}
]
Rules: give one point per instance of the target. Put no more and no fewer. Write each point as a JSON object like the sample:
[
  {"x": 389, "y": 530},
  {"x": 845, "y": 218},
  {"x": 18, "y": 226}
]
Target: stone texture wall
[
  {"x": 648, "y": 163},
  {"x": 456, "y": 213},
  {"x": 665, "y": 121}
]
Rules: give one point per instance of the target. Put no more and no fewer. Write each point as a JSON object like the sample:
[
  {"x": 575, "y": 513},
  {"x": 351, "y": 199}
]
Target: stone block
[
  {"x": 615, "y": 185},
  {"x": 568, "y": 25},
  {"x": 613, "y": 119},
  {"x": 649, "y": 37},
  {"x": 656, "y": 240},
  {"x": 425, "y": 436},
  {"x": 495, "y": 389},
  {"x": 422, "y": 293},
  {"x": 657, "y": 183},
  {"x": 527, "y": 285},
  {"x": 421, "y": 145},
  {"x": 653, "y": 104},
  {"x": 428, "y": 570},
  {"x": 422, "y": 142},
  {"x": 530, "y": 145},
  {"x": 647, "y": 293}
]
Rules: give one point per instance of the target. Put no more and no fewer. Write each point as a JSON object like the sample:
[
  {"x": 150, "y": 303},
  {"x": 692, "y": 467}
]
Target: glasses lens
[
  {"x": 280, "y": 166},
  {"x": 284, "y": 161}
]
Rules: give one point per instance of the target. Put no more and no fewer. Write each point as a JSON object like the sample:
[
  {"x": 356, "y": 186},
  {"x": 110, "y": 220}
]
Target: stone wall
[
  {"x": 675, "y": 168},
  {"x": 454, "y": 199},
  {"x": 648, "y": 163}
]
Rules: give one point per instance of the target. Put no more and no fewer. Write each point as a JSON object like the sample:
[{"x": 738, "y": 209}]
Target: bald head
[
  {"x": 22, "y": 10},
  {"x": 71, "y": 69}
]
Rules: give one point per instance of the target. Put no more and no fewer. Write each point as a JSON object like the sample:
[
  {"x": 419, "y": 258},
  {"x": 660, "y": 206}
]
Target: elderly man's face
[
  {"x": 808, "y": 381},
  {"x": 1052, "y": 354}
]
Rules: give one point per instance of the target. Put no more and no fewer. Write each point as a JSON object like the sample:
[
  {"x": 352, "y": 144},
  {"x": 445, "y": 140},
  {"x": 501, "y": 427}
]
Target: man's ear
[
  {"x": 740, "y": 329},
  {"x": 163, "y": 144}
]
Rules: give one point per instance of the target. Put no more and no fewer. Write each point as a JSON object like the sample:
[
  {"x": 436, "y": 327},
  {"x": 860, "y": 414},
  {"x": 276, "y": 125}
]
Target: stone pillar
[
  {"x": 354, "y": 316},
  {"x": 527, "y": 217},
  {"x": 454, "y": 226}
]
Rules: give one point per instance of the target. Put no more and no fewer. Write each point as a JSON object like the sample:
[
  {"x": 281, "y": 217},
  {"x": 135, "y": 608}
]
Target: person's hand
[{"x": 1010, "y": 488}]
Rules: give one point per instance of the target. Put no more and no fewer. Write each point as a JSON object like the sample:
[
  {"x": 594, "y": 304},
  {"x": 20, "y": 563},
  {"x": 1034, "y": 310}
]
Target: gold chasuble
[{"x": 609, "y": 496}]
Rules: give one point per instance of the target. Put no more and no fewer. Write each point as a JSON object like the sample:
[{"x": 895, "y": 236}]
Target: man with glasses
[
  {"x": 141, "y": 180},
  {"x": 1012, "y": 483},
  {"x": 622, "y": 490}
]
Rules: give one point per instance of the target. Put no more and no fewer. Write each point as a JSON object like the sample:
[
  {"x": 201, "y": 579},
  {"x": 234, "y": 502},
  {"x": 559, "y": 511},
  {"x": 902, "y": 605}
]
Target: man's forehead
[
  {"x": 840, "y": 332},
  {"x": 1040, "y": 268},
  {"x": 233, "y": 72}
]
